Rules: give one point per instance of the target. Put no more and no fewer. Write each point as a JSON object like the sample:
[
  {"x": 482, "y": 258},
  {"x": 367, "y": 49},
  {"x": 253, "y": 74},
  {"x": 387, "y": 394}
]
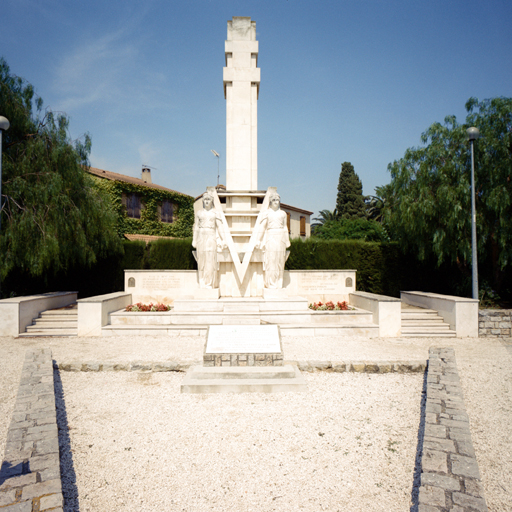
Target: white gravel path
[
  {"x": 172, "y": 450},
  {"x": 138, "y": 444}
]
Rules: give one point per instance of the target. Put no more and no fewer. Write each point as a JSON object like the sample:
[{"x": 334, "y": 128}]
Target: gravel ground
[
  {"x": 136, "y": 443},
  {"x": 142, "y": 445}
]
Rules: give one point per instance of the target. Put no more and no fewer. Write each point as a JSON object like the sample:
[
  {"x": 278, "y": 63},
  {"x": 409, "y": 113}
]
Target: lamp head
[
  {"x": 473, "y": 133},
  {"x": 4, "y": 123}
]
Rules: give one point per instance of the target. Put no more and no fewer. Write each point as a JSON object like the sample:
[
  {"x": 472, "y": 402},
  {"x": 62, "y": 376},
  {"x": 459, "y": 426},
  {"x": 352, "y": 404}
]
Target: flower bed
[
  {"x": 330, "y": 306},
  {"x": 147, "y": 307}
]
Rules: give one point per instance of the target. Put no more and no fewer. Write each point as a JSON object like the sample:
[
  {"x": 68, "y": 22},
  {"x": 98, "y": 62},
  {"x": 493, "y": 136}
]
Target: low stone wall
[
  {"x": 30, "y": 473},
  {"x": 450, "y": 479},
  {"x": 495, "y": 323},
  {"x": 386, "y": 312},
  {"x": 94, "y": 312}
]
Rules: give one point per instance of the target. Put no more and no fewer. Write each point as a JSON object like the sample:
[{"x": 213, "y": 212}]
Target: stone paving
[
  {"x": 30, "y": 473},
  {"x": 450, "y": 479}
]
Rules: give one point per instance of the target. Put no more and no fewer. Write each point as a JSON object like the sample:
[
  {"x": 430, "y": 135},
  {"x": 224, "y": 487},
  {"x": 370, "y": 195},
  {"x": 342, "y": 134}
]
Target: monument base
[
  {"x": 201, "y": 294},
  {"x": 274, "y": 293},
  {"x": 243, "y": 345}
]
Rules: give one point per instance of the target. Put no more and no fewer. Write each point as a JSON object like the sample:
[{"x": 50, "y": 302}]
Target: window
[
  {"x": 303, "y": 226},
  {"x": 288, "y": 219},
  {"x": 133, "y": 205},
  {"x": 166, "y": 211}
]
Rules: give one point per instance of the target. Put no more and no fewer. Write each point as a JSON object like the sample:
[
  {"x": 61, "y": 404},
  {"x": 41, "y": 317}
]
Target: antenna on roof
[{"x": 218, "y": 160}]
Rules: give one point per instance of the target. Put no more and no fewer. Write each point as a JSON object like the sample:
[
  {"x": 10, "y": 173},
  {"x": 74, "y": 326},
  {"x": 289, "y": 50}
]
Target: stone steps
[
  {"x": 54, "y": 322},
  {"x": 247, "y": 314},
  {"x": 368, "y": 330},
  {"x": 424, "y": 323},
  {"x": 154, "y": 330},
  {"x": 265, "y": 379}
]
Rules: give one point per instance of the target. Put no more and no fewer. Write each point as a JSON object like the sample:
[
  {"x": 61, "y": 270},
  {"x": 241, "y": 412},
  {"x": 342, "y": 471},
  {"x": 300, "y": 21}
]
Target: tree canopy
[
  {"x": 350, "y": 200},
  {"x": 352, "y": 229},
  {"x": 428, "y": 202},
  {"x": 53, "y": 217},
  {"x": 324, "y": 216}
]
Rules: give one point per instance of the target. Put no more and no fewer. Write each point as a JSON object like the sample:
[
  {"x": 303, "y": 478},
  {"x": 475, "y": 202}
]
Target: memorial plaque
[
  {"x": 317, "y": 282},
  {"x": 243, "y": 339},
  {"x": 161, "y": 282}
]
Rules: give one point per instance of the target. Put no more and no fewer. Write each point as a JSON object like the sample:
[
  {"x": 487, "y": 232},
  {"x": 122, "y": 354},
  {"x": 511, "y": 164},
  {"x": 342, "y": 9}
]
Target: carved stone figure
[
  {"x": 208, "y": 240},
  {"x": 275, "y": 241}
]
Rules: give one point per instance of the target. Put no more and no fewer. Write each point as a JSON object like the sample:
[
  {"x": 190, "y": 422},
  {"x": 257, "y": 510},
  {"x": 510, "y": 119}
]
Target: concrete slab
[{"x": 252, "y": 381}]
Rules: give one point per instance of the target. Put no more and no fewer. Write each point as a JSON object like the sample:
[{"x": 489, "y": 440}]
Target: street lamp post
[
  {"x": 473, "y": 134},
  {"x": 4, "y": 125}
]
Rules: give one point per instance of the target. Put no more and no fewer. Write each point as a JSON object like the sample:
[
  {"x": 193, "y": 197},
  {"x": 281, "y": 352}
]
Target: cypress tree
[{"x": 350, "y": 200}]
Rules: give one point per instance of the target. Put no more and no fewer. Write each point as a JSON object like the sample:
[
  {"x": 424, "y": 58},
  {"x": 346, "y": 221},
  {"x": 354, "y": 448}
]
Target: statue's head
[
  {"x": 274, "y": 201},
  {"x": 207, "y": 201}
]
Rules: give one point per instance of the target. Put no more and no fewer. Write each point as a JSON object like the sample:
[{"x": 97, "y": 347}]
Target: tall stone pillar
[{"x": 241, "y": 87}]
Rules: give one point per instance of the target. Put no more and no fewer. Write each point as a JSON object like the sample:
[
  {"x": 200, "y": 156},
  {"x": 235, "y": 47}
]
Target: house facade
[{"x": 145, "y": 208}]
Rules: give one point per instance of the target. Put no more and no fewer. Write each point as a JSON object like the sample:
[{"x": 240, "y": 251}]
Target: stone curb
[
  {"x": 30, "y": 473},
  {"x": 450, "y": 479},
  {"x": 306, "y": 366}
]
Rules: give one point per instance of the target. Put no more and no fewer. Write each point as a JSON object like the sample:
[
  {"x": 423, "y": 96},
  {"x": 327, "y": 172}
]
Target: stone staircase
[
  {"x": 423, "y": 323},
  {"x": 54, "y": 322},
  {"x": 291, "y": 314}
]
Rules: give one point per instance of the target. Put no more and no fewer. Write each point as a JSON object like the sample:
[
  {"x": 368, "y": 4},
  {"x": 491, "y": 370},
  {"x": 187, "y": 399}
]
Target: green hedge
[
  {"x": 381, "y": 268},
  {"x": 170, "y": 254}
]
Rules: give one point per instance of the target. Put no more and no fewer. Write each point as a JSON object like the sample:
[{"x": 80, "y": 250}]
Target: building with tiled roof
[{"x": 144, "y": 208}]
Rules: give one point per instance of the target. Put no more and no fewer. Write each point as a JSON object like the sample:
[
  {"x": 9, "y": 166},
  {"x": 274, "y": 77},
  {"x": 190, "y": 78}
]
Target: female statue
[
  {"x": 274, "y": 244},
  {"x": 207, "y": 239}
]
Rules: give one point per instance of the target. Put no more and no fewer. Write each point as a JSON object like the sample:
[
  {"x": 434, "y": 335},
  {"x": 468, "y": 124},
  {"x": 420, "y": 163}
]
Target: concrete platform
[{"x": 201, "y": 379}]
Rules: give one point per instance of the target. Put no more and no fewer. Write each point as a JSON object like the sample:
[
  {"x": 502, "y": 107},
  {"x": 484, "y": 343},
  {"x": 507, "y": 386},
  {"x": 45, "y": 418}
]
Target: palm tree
[{"x": 324, "y": 216}]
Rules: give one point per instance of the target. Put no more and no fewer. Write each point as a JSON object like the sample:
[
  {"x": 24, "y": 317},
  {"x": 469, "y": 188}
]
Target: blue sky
[{"x": 355, "y": 81}]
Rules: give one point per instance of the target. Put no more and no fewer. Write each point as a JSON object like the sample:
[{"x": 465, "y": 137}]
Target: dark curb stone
[
  {"x": 30, "y": 473},
  {"x": 447, "y": 438}
]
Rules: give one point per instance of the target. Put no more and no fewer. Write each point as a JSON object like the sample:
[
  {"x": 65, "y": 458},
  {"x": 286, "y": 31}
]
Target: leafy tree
[
  {"x": 325, "y": 215},
  {"x": 350, "y": 200},
  {"x": 53, "y": 217},
  {"x": 352, "y": 229},
  {"x": 430, "y": 191}
]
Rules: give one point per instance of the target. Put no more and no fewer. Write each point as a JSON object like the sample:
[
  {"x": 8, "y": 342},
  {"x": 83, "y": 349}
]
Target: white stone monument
[
  {"x": 241, "y": 241},
  {"x": 241, "y": 87},
  {"x": 249, "y": 229}
]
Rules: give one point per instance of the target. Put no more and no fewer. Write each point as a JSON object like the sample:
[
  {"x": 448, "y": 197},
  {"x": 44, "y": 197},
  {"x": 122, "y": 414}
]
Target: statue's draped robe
[
  {"x": 206, "y": 239},
  {"x": 275, "y": 242}
]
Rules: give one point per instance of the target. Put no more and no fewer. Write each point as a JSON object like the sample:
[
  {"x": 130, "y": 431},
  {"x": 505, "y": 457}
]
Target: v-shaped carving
[
  {"x": 255, "y": 234},
  {"x": 240, "y": 266},
  {"x": 227, "y": 233}
]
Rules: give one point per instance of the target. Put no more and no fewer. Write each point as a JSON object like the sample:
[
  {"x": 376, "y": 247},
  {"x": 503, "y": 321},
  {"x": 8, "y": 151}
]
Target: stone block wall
[
  {"x": 243, "y": 360},
  {"x": 495, "y": 323}
]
